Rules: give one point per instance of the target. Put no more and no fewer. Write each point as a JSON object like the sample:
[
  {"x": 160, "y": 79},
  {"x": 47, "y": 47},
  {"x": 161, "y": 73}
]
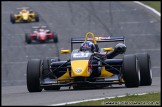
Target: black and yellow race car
[
  {"x": 24, "y": 14},
  {"x": 87, "y": 69}
]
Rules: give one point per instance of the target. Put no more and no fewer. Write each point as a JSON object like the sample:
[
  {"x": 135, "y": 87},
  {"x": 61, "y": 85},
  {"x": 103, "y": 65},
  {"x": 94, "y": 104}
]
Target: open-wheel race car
[
  {"x": 24, "y": 14},
  {"x": 90, "y": 67},
  {"x": 41, "y": 34}
]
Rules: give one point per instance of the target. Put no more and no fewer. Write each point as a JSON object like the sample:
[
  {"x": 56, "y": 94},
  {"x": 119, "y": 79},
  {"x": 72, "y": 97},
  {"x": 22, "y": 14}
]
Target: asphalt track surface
[
  {"x": 140, "y": 26},
  {"x": 18, "y": 95}
]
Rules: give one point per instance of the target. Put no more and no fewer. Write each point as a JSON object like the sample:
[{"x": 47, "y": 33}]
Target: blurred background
[{"x": 140, "y": 26}]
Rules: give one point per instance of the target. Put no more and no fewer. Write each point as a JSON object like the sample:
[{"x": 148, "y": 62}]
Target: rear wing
[
  {"x": 23, "y": 8},
  {"x": 98, "y": 39}
]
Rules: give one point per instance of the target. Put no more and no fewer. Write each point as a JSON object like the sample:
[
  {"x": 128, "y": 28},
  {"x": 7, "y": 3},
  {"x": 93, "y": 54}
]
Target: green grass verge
[
  {"x": 147, "y": 99},
  {"x": 154, "y": 4}
]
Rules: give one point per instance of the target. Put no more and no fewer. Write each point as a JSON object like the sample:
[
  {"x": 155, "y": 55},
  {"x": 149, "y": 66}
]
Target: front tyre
[
  {"x": 145, "y": 69},
  {"x": 27, "y": 38},
  {"x": 131, "y": 72},
  {"x": 55, "y": 38},
  {"x": 12, "y": 18},
  {"x": 33, "y": 75}
]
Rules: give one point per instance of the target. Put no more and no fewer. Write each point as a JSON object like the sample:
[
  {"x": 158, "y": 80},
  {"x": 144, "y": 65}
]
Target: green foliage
[
  {"x": 147, "y": 99},
  {"x": 155, "y": 4}
]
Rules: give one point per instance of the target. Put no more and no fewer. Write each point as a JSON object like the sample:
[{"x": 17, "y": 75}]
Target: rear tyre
[
  {"x": 27, "y": 38},
  {"x": 36, "y": 17},
  {"x": 145, "y": 69},
  {"x": 33, "y": 75},
  {"x": 12, "y": 18},
  {"x": 55, "y": 38},
  {"x": 131, "y": 72}
]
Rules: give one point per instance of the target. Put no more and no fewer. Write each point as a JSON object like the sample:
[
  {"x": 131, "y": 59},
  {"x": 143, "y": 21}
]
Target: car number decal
[{"x": 79, "y": 55}]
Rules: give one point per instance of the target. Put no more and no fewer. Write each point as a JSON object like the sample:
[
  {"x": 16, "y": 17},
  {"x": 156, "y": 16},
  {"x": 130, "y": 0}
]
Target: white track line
[
  {"x": 152, "y": 9},
  {"x": 74, "y": 102}
]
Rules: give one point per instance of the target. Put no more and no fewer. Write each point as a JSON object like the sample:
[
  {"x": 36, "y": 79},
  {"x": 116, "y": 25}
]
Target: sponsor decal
[
  {"x": 78, "y": 70},
  {"x": 80, "y": 55},
  {"x": 100, "y": 38}
]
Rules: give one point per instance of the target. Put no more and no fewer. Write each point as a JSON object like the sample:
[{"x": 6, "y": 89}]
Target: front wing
[
  {"x": 103, "y": 79},
  {"x": 31, "y": 18}
]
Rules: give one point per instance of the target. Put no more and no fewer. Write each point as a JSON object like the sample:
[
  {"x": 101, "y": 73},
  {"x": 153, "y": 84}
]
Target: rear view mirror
[{"x": 65, "y": 51}]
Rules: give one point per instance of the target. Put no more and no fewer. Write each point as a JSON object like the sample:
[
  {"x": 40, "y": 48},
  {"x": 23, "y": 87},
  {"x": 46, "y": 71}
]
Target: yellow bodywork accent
[
  {"x": 65, "y": 51},
  {"x": 105, "y": 73},
  {"x": 107, "y": 49},
  {"x": 65, "y": 76},
  {"x": 79, "y": 68},
  {"x": 118, "y": 81},
  {"x": 123, "y": 80}
]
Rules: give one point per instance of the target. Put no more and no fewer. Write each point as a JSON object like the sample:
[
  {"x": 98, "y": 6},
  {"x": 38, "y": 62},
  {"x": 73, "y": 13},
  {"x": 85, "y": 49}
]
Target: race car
[
  {"x": 90, "y": 69},
  {"x": 41, "y": 34},
  {"x": 24, "y": 14}
]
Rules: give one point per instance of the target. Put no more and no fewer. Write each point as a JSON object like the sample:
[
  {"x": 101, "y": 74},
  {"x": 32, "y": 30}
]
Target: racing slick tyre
[
  {"x": 55, "y": 38},
  {"x": 36, "y": 17},
  {"x": 12, "y": 18},
  {"x": 131, "y": 72},
  {"x": 33, "y": 75},
  {"x": 145, "y": 69},
  {"x": 27, "y": 38},
  {"x": 45, "y": 67}
]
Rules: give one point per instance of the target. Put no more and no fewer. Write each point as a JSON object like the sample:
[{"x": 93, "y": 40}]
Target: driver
[
  {"x": 41, "y": 30},
  {"x": 87, "y": 46},
  {"x": 23, "y": 10}
]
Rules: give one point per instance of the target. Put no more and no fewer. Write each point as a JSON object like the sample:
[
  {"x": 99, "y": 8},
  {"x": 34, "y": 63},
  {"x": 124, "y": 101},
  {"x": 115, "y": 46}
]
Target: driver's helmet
[
  {"x": 24, "y": 10},
  {"x": 87, "y": 46},
  {"x": 41, "y": 30}
]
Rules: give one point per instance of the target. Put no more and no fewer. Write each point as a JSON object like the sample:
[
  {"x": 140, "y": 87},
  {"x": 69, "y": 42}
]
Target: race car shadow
[
  {"x": 85, "y": 89},
  {"x": 38, "y": 42},
  {"x": 24, "y": 22}
]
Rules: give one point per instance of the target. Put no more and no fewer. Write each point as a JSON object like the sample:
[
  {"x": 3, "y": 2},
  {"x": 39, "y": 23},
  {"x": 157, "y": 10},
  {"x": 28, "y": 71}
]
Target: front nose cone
[{"x": 80, "y": 68}]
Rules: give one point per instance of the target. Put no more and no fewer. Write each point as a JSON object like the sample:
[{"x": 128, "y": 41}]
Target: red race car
[{"x": 41, "y": 34}]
